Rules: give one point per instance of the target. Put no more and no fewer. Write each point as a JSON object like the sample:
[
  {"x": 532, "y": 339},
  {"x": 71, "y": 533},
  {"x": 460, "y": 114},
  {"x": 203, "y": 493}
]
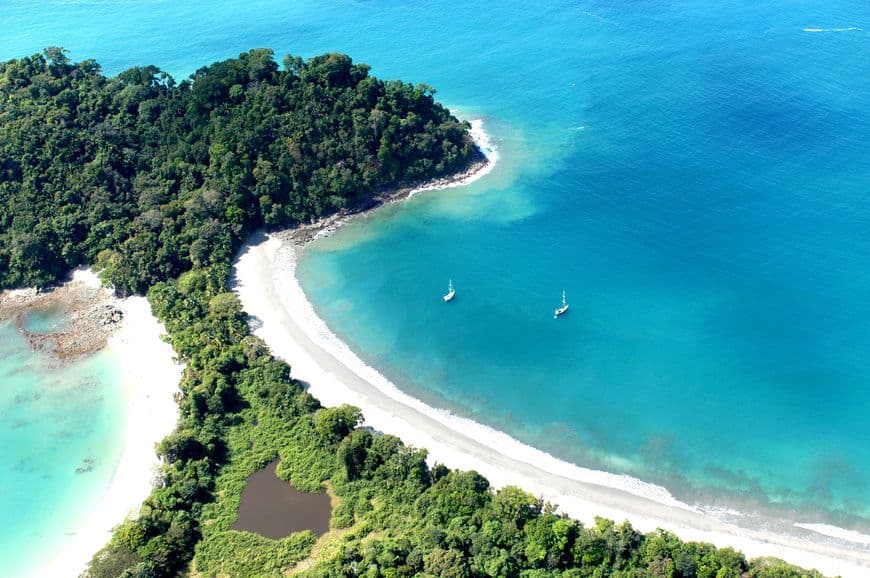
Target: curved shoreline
[
  {"x": 149, "y": 377},
  {"x": 264, "y": 279},
  {"x": 283, "y": 317}
]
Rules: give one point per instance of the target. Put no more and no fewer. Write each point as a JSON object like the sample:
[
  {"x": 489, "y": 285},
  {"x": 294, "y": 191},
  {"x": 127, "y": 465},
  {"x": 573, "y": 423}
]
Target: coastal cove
[
  {"x": 104, "y": 410},
  {"x": 498, "y": 358},
  {"x": 284, "y": 318},
  {"x": 60, "y": 443},
  {"x": 386, "y": 357}
]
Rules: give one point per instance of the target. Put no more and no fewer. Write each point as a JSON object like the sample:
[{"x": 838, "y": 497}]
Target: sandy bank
[{"x": 150, "y": 379}]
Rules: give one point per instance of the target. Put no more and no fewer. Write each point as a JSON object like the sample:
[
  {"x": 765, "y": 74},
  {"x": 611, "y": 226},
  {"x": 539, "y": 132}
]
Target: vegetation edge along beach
[{"x": 158, "y": 184}]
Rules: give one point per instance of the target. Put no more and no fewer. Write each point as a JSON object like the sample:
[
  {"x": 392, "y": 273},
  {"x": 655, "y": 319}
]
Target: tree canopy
[{"x": 148, "y": 177}]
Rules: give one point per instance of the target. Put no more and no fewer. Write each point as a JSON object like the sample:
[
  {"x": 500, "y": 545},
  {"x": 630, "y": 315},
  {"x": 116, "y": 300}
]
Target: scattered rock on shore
[{"x": 89, "y": 312}]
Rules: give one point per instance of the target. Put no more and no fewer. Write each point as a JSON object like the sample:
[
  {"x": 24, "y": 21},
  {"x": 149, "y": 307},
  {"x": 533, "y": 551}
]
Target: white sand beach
[{"x": 150, "y": 377}]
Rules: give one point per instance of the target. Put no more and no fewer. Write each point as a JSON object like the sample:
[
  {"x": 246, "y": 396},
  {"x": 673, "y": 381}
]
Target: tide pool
[
  {"x": 694, "y": 175},
  {"x": 60, "y": 440}
]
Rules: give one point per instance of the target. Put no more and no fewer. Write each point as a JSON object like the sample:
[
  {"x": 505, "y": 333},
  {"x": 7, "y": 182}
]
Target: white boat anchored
[
  {"x": 451, "y": 292},
  {"x": 564, "y": 308}
]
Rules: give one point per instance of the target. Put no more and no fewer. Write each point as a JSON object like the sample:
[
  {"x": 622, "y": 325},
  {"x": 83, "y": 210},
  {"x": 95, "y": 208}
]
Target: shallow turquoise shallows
[
  {"x": 60, "y": 440},
  {"x": 696, "y": 176}
]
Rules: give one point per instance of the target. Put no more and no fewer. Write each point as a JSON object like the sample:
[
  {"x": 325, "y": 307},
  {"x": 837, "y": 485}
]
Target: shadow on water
[{"x": 273, "y": 508}]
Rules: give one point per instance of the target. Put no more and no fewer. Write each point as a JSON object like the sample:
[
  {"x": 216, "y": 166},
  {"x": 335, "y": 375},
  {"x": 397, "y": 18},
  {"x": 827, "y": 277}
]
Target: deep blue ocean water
[{"x": 696, "y": 176}]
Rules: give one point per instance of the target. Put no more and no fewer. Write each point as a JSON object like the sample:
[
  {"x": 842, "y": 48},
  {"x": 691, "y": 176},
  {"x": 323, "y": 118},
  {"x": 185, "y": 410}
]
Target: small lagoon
[{"x": 273, "y": 508}]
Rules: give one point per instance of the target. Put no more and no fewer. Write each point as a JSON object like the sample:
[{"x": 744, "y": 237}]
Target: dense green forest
[
  {"x": 157, "y": 184},
  {"x": 148, "y": 177}
]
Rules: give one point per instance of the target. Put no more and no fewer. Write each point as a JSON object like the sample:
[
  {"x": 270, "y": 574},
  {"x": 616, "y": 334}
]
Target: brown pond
[{"x": 273, "y": 508}]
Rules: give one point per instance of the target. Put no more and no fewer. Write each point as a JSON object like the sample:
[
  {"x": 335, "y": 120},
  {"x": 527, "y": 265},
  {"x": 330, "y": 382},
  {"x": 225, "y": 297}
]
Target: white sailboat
[
  {"x": 564, "y": 308},
  {"x": 450, "y": 291}
]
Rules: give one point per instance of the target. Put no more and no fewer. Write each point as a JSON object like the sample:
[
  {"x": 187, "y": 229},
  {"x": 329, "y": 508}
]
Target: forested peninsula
[{"x": 157, "y": 184}]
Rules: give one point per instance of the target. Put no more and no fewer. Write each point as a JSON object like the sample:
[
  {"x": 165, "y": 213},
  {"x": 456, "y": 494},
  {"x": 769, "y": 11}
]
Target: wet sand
[{"x": 273, "y": 508}]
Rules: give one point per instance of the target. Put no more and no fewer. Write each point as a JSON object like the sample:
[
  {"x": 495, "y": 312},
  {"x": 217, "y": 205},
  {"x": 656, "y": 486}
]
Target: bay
[{"x": 694, "y": 175}]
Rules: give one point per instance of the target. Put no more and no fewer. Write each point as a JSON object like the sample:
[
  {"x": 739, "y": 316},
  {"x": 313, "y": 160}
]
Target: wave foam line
[
  {"x": 836, "y": 532},
  {"x": 847, "y": 29}
]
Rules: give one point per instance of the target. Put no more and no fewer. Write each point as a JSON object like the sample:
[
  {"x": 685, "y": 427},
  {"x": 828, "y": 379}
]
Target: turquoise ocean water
[
  {"x": 60, "y": 440},
  {"x": 696, "y": 176}
]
